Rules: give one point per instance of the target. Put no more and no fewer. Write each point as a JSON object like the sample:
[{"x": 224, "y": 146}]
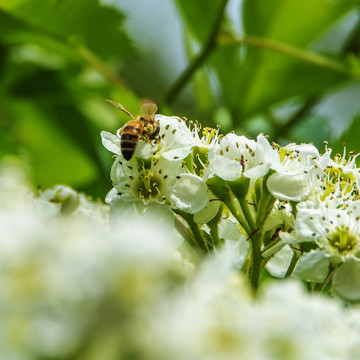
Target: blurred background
[{"x": 289, "y": 69}]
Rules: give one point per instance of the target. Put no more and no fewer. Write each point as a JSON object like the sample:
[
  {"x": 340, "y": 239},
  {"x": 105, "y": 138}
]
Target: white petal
[
  {"x": 228, "y": 230},
  {"x": 346, "y": 282},
  {"x": 288, "y": 238},
  {"x": 239, "y": 250},
  {"x": 145, "y": 230},
  {"x": 145, "y": 150},
  {"x": 290, "y": 188},
  {"x": 309, "y": 220},
  {"x": 257, "y": 171},
  {"x": 277, "y": 266},
  {"x": 177, "y": 154},
  {"x": 312, "y": 266},
  {"x": 110, "y": 195},
  {"x": 189, "y": 194},
  {"x": 226, "y": 169},
  {"x": 264, "y": 151},
  {"x": 208, "y": 213},
  {"x": 111, "y": 142}
]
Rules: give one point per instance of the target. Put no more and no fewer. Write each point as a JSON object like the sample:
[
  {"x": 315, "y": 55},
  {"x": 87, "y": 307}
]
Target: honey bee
[{"x": 142, "y": 126}]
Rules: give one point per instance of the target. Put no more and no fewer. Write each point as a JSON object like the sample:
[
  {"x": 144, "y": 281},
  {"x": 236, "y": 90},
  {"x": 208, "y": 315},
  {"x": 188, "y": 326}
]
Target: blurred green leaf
[
  {"x": 270, "y": 77},
  {"x": 46, "y": 91},
  {"x": 228, "y": 64},
  {"x": 53, "y": 156},
  {"x": 199, "y": 16},
  {"x": 350, "y": 138},
  {"x": 92, "y": 24},
  {"x": 296, "y": 22}
]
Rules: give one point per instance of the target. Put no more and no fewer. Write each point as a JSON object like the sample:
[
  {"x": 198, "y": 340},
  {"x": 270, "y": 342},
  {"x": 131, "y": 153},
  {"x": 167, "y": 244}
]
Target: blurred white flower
[{"x": 73, "y": 288}]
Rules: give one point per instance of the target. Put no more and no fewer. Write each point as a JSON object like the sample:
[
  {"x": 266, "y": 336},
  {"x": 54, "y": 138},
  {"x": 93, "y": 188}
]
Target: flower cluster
[
  {"x": 73, "y": 288},
  {"x": 159, "y": 172},
  {"x": 291, "y": 209}
]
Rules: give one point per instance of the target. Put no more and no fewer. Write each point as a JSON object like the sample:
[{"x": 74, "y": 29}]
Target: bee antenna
[{"x": 119, "y": 106}]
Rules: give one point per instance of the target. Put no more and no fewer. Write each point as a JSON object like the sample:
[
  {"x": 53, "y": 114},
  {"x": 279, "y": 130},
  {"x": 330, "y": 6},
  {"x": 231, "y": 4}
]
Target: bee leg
[{"x": 155, "y": 133}]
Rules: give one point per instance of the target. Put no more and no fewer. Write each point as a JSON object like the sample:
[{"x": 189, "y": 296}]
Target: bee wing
[
  {"x": 149, "y": 109},
  {"x": 119, "y": 106}
]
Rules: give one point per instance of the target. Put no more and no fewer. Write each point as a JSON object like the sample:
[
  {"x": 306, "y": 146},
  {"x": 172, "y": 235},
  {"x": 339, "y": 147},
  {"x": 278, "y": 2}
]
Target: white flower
[
  {"x": 347, "y": 166},
  {"x": 175, "y": 141},
  {"x": 57, "y": 273},
  {"x": 235, "y": 156},
  {"x": 336, "y": 234},
  {"x": 340, "y": 181},
  {"x": 63, "y": 279},
  {"x": 294, "y": 318},
  {"x": 281, "y": 214},
  {"x": 297, "y": 174},
  {"x": 335, "y": 231},
  {"x": 160, "y": 174},
  {"x": 164, "y": 182}
]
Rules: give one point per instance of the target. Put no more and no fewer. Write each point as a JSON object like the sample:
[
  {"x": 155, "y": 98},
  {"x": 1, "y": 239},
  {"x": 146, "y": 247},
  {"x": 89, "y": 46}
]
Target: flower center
[
  {"x": 149, "y": 186},
  {"x": 342, "y": 241}
]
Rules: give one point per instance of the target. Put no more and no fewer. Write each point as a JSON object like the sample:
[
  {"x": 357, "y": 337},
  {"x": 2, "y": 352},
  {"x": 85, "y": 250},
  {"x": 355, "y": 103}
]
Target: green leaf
[
  {"x": 90, "y": 23},
  {"x": 199, "y": 16},
  {"x": 53, "y": 156},
  {"x": 272, "y": 77},
  {"x": 46, "y": 91},
  {"x": 293, "y": 22},
  {"x": 228, "y": 64},
  {"x": 350, "y": 138}
]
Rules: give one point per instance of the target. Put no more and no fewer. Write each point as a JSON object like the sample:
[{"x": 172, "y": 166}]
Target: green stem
[
  {"x": 214, "y": 227},
  {"x": 209, "y": 46},
  {"x": 331, "y": 273},
  {"x": 265, "y": 205},
  {"x": 248, "y": 216},
  {"x": 238, "y": 216},
  {"x": 272, "y": 249},
  {"x": 256, "y": 257},
  {"x": 185, "y": 233},
  {"x": 292, "y": 51},
  {"x": 214, "y": 232},
  {"x": 294, "y": 261},
  {"x": 257, "y": 238},
  {"x": 92, "y": 59},
  {"x": 196, "y": 233}
]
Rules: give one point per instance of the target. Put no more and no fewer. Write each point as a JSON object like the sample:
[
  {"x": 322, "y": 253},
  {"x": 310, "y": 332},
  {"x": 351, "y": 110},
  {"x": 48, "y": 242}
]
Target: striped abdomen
[{"x": 130, "y": 137}]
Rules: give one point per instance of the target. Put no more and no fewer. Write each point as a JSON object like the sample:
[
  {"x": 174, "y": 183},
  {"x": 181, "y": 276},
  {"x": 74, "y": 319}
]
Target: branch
[
  {"x": 98, "y": 64},
  {"x": 209, "y": 46},
  {"x": 289, "y": 50},
  {"x": 84, "y": 52},
  {"x": 296, "y": 118}
]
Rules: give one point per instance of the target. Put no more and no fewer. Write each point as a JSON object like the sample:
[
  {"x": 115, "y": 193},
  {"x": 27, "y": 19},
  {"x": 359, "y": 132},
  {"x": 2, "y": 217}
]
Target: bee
[{"x": 142, "y": 126}]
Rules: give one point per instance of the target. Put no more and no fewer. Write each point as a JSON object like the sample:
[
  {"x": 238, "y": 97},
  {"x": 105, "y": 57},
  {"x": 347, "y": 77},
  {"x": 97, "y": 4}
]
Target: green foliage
[
  {"x": 279, "y": 62},
  {"x": 299, "y": 24}
]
